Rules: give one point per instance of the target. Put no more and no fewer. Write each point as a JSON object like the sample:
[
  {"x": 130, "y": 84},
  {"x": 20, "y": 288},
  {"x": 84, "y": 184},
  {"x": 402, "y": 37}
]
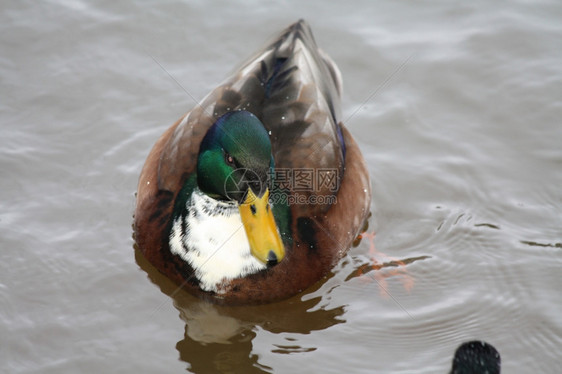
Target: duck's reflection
[{"x": 219, "y": 338}]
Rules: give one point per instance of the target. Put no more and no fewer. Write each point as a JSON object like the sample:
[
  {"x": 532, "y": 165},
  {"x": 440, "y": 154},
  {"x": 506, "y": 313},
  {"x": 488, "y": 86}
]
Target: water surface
[{"x": 456, "y": 107}]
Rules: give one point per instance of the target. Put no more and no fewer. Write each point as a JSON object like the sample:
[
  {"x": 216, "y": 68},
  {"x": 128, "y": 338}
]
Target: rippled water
[{"x": 456, "y": 107}]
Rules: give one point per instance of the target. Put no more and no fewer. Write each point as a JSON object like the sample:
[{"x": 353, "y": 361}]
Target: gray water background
[{"x": 457, "y": 108}]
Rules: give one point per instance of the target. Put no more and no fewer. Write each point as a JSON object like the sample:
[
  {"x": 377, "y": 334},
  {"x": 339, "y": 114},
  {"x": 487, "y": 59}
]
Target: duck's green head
[
  {"x": 234, "y": 163},
  {"x": 234, "y": 156}
]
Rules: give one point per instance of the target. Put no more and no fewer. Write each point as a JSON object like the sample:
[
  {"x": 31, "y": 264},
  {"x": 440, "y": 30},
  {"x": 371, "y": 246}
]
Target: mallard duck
[{"x": 255, "y": 194}]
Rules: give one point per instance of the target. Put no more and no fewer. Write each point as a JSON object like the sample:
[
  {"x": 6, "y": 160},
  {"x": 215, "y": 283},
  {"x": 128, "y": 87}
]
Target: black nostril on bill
[{"x": 272, "y": 259}]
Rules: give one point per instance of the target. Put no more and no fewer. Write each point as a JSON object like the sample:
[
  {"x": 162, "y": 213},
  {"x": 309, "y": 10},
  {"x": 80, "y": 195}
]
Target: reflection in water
[
  {"x": 220, "y": 337},
  {"x": 219, "y": 357}
]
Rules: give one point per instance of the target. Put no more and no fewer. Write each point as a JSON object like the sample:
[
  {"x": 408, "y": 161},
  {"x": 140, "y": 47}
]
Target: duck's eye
[{"x": 229, "y": 159}]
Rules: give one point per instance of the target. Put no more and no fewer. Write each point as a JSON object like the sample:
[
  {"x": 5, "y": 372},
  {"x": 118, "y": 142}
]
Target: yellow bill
[{"x": 261, "y": 230}]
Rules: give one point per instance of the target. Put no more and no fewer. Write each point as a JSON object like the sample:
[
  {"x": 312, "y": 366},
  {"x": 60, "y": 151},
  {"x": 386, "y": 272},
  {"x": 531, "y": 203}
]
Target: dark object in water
[{"x": 476, "y": 357}]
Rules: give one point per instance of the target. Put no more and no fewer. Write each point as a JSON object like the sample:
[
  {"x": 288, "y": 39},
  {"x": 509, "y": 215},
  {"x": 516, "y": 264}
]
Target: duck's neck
[{"x": 210, "y": 237}]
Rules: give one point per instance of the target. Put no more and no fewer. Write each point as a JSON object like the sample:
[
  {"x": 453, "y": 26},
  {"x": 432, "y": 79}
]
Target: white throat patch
[{"x": 212, "y": 240}]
